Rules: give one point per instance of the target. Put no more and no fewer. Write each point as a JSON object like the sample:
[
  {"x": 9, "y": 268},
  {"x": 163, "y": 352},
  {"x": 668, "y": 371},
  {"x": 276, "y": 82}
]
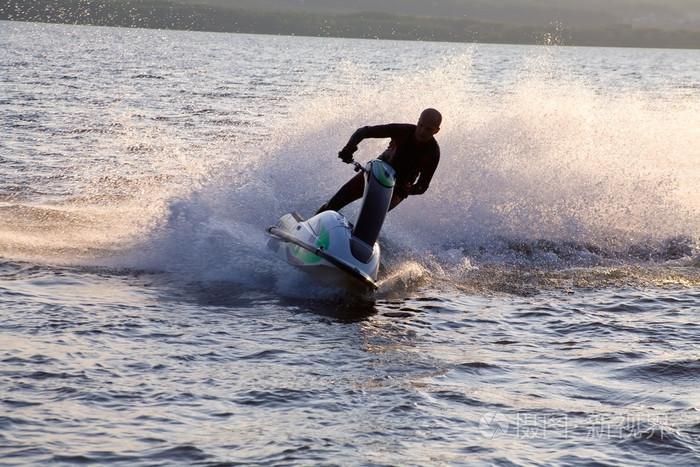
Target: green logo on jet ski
[
  {"x": 384, "y": 173},
  {"x": 308, "y": 257}
]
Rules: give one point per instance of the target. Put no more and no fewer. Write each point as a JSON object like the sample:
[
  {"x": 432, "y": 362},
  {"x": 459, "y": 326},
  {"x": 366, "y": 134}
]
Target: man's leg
[
  {"x": 395, "y": 200},
  {"x": 348, "y": 193}
]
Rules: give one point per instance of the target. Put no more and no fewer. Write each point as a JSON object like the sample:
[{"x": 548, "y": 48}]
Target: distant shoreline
[{"x": 163, "y": 14}]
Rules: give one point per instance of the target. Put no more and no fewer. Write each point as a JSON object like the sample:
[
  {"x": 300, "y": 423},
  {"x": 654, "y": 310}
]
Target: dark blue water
[{"x": 539, "y": 305}]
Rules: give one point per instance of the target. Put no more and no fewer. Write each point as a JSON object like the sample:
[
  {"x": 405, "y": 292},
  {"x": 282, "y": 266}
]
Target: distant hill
[
  {"x": 656, "y": 14},
  {"x": 562, "y": 22}
]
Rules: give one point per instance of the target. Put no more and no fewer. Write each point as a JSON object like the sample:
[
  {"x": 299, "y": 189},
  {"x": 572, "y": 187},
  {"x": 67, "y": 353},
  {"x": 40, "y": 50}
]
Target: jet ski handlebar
[{"x": 358, "y": 167}]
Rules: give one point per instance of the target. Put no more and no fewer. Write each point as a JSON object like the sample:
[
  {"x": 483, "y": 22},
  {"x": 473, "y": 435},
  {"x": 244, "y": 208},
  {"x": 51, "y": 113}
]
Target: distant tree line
[{"x": 163, "y": 14}]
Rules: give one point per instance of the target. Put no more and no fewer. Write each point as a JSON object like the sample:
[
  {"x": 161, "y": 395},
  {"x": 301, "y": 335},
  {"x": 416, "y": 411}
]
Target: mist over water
[
  {"x": 539, "y": 304},
  {"x": 555, "y": 157},
  {"x": 545, "y": 167}
]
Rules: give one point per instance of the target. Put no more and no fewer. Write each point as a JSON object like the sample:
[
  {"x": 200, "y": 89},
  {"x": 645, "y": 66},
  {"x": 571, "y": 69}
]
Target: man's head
[{"x": 428, "y": 124}]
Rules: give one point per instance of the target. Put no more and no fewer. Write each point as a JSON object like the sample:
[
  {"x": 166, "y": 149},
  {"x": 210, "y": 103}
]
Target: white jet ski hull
[
  {"x": 331, "y": 249},
  {"x": 323, "y": 247}
]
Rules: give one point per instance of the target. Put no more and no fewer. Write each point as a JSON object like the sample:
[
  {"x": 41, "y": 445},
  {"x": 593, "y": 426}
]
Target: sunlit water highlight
[{"x": 538, "y": 305}]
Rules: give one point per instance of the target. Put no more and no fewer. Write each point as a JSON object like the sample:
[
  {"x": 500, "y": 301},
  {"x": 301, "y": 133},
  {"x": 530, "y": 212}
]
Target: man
[{"x": 413, "y": 153}]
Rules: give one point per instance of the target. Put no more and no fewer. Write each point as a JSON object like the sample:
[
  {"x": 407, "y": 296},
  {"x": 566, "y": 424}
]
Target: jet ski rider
[{"x": 413, "y": 153}]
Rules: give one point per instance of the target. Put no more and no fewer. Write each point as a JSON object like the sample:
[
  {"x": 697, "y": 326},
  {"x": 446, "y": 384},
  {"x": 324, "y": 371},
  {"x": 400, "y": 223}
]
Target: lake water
[{"x": 539, "y": 305}]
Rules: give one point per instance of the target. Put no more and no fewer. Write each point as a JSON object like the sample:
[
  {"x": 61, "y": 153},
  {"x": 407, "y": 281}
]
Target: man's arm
[
  {"x": 379, "y": 131},
  {"x": 426, "y": 174}
]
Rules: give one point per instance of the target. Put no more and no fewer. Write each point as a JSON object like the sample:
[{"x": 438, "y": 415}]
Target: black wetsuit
[{"x": 414, "y": 163}]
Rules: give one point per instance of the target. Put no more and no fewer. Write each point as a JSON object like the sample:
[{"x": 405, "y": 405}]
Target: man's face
[{"x": 426, "y": 129}]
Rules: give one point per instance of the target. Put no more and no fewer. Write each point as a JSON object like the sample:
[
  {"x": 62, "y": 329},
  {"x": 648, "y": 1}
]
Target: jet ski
[{"x": 329, "y": 247}]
